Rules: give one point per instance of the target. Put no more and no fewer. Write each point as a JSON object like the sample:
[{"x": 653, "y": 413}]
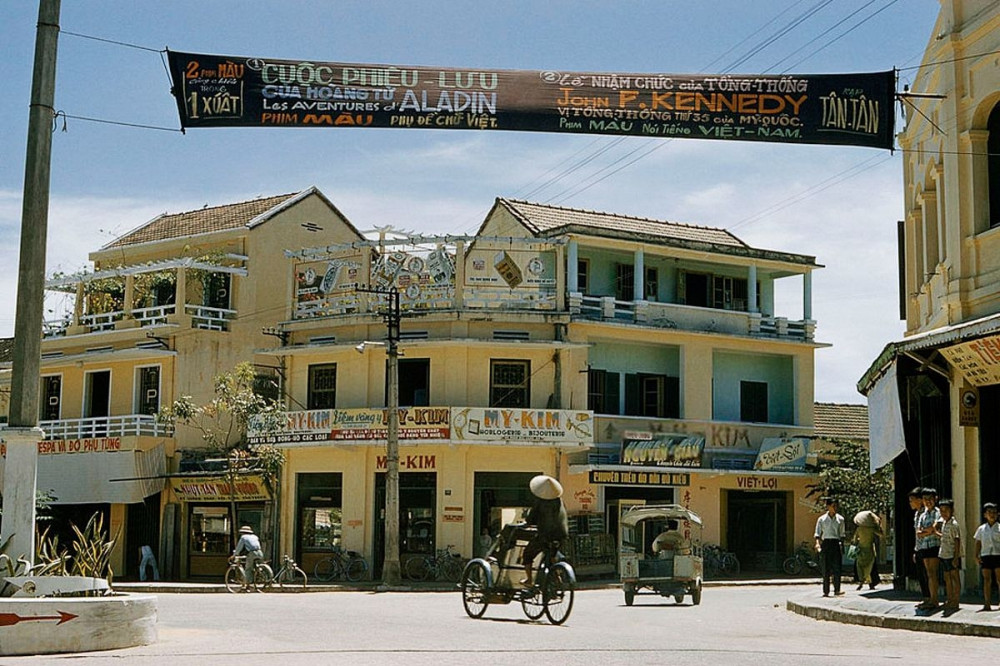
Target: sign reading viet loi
[
  {"x": 249, "y": 488},
  {"x": 978, "y": 361},
  {"x": 662, "y": 450},
  {"x": 230, "y": 91},
  {"x": 521, "y": 425},
  {"x": 321, "y": 425}
]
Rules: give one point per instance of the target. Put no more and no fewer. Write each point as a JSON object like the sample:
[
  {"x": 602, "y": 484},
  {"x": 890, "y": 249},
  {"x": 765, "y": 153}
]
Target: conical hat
[{"x": 545, "y": 487}]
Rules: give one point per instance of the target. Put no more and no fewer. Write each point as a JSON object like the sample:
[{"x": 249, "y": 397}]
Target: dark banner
[{"x": 840, "y": 109}]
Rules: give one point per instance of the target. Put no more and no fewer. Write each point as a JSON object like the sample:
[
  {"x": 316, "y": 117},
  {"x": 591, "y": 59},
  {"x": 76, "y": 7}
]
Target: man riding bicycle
[
  {"x": 549, "y": 516},
  {"x": 249, "y": 543}
]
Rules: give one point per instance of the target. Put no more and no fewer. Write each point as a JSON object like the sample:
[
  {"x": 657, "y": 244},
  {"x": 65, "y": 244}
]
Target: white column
[
  {"x": 572, "y": 267},
  {"x": 807, "y": 296},
  {"x": 752, "y": 288},
  {"x": 639, "y": 276},
  {"x": 19, "y": 491}
]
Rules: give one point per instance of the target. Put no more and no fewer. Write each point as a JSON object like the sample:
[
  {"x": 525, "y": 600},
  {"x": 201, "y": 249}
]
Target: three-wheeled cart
[
  {"x": 660, "y": 552},
  {"x": 496, "y": 579}
]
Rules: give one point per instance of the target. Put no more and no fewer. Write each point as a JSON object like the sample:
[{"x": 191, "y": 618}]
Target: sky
[{"x": 839, "y": 204}]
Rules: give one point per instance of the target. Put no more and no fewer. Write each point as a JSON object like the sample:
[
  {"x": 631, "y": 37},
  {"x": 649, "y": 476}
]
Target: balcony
[{"x": 128, "y": 425}]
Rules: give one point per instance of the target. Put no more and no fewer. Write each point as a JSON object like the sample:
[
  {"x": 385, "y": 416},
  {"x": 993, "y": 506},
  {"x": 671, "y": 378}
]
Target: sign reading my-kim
[{"x": 839, "y": 109}]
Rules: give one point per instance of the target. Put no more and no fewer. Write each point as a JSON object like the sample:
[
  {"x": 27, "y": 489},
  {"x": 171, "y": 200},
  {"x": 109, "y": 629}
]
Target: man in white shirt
[{"x": 830, "y": 535}]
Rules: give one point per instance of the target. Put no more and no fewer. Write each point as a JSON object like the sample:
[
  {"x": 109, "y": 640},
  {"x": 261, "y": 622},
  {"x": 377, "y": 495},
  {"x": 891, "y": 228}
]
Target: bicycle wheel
[
  {"x": 792, "y": 566},
  {"x": 731, "y": 564},
  {"x": 475, "y": 589},
  {"x": 263, "y": 576},
  {"x": 557, "y": 593},
  {"x": 357, "y": 569},
  {"x": 292, "y": 578},
  {"x": 418, "y": 568},
  {"x": 326, "y": 570},
  {"x": 450, "y": 569},
  {"x": 234, "y": 579},
  {"x": 533, "y": 605}
]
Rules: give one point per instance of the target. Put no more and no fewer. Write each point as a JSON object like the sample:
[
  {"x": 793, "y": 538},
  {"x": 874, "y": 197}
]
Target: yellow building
[
  {"x": 934, "y": 396},
  {"x": 636, "y": 360}
]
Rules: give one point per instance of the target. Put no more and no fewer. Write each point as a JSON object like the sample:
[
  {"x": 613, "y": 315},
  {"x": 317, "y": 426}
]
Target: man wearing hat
[
  {"x": 549, "y": 516},
  {"x": 250, "y": 544},
  {"x": 829, "y": 543}
]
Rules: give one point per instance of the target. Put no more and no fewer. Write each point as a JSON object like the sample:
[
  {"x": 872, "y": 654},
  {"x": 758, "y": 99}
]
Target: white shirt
[
  {"x": 830, "y": 527},
  {"x": 950, "y": 532},
  {"x": 989, "y": 536}
]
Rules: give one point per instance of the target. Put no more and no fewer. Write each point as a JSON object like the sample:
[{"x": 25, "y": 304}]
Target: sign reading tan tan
[{"x": 249, "y": 488}]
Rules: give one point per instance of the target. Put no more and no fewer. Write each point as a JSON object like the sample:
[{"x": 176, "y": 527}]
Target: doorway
[
  {"x": 757, "y": 528},
  {"x": 417, "y": 518}
]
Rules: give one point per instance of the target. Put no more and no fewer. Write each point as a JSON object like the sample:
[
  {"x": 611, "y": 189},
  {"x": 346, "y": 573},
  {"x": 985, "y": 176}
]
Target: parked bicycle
[
  {"x": 341, "y": 564},
  {"x": 718, "y": 561},
  {"x": 446, "y": 565},
  {"x": 803, "y": 557},
  {"x": 290, "y": 575}
]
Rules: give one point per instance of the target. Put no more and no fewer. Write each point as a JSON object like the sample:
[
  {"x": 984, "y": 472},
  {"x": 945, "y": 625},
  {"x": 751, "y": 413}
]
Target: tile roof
[
  {"x": 6, "y": 350},
  {"x": 837, "y": 421},
  {"x": 201, "y": 221},
  {"x": 544, "y": 219}
]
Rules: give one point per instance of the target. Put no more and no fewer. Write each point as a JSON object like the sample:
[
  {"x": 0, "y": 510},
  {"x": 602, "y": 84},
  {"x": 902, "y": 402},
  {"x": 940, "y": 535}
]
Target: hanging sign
[
  {"x": 230, "y": 91},
  {"x": 978, "y": 361},
  {"x": 662, "y": 449},
  {"x": 248, "y": 488}
]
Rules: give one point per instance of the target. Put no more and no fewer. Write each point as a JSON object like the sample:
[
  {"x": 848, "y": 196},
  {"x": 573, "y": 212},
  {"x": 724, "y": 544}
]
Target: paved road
[{"x": 736, "y": 625}]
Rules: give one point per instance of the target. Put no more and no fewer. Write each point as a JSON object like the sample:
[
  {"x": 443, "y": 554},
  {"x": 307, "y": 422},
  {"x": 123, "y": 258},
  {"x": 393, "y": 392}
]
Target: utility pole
[
  {"x": 390, "y": 566},
  {"x": 23, "y": 435}
]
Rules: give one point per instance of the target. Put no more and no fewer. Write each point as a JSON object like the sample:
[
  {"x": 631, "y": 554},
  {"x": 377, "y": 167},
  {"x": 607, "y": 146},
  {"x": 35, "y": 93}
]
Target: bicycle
[
  {"x": 718, "y": 561},
  {"x": 804, "y": 556},
  {"x": 446, "y": 564},
  {"x": 289, "y": 575},
  {"x": 339, "y": 564}
]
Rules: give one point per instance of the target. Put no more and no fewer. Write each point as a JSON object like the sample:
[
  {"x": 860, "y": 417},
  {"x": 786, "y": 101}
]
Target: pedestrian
[
  {"x": 249, "y": 543},
  {"x": 829, "y": 544},
  {"x": 147, "y": 559},
  {"x": 917, "y": 506},
  {"x": 485, "y": 542},
  {"x": 928, "y": 543},
  {"x": 987, "y": 539},
  {"x": 950, "y": 552},
  {"x": 869, "y": 526}
]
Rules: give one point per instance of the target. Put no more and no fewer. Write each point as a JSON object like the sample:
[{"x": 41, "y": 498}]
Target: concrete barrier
[{"x": 76, "y": 624}]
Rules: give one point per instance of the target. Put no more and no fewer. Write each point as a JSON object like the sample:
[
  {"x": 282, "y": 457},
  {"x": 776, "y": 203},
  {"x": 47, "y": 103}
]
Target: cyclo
[
  {"x": 496, "y": 579},
  {"x": 660, "y": 551}
]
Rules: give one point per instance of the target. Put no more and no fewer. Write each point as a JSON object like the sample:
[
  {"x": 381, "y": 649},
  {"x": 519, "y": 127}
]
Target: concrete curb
[{"x": 872, "y": 619}]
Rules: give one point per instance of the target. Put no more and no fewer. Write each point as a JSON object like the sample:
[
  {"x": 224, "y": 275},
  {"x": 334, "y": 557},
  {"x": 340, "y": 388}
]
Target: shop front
[{"x": 213, "y": 508}]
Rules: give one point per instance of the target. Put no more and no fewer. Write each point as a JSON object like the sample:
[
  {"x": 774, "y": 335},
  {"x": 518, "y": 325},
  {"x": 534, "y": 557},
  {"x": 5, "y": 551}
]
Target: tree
[{"x": 845, "y": 475}]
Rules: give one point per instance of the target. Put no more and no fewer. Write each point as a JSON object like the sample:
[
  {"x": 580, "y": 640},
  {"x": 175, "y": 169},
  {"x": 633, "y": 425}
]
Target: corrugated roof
[
  {"x": 544, "y": 219},
  {"x": 6, "y": 350},
  {"x": 201, "y": 221},
  {"x": 838, "y": 421}
]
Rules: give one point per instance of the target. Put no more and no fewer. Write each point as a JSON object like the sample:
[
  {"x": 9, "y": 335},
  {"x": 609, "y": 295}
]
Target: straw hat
[
  {"x": 545, "y": 487},
  {"x": 866, "y": 519},
  {"x": 246, "y": 529}
]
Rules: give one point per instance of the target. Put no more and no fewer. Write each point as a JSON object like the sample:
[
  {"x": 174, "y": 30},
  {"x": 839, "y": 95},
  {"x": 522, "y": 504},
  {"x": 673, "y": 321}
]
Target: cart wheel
[
  {"x": 557, "y": 594},
  {"x": 696, "y": 595},
  {"x": 678, "y": 598},
  {"x": 629, "y": 596},
  {"x": 792, "y": 566},
  {"x": 475, "y": 587},
  {"x": 533, "y": 606}
]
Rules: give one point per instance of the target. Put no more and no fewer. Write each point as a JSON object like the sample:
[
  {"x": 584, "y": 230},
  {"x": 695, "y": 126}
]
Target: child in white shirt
[{"x": 950, "y": 552}]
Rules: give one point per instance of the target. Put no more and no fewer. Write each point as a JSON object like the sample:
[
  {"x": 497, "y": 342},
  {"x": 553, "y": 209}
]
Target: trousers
[{"x": 830, "y": 563}]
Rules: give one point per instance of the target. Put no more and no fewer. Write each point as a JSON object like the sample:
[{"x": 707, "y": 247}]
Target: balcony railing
[
  {"x": 202, "y": 316},
  {"x": 128, "y": 425},
  {"x": 212, "y": 319}
]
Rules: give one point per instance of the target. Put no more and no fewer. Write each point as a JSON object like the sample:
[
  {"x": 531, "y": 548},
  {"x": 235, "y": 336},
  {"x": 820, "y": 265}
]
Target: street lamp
[{"x": 390, "y": 566}]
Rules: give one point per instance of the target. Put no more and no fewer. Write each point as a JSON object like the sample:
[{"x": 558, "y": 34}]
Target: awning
[
  {"x": 90, "y": 478},
  {"x": 885, "y": 421}
]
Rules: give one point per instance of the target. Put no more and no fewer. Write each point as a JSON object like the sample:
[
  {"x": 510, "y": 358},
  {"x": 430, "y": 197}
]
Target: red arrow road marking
[{"x": 8, "y": 619}]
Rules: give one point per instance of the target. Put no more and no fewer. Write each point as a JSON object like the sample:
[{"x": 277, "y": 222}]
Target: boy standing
[
  {"x": 928, "y": 543},
  {"x": 987, "y": 539},
  {"x": 917, "y": 506},
  {"x": 829, "y": 543},
  {"x": 950, "y": 553}
]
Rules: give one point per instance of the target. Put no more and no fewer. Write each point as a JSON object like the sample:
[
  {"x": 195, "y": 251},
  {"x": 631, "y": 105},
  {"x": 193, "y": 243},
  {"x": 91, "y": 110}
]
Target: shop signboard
[
  {"x": 675, "y": 449},
  {"x": 978, "y": 361},
  {"x": 238, "y": 91},
  {"x": 242, "y": 488},
  {"x": 325, "y": 425},
  {"x": 639, "y": 478},
  {"x": 782, "y": 454},
  {"x": 478, "y": 424}
]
